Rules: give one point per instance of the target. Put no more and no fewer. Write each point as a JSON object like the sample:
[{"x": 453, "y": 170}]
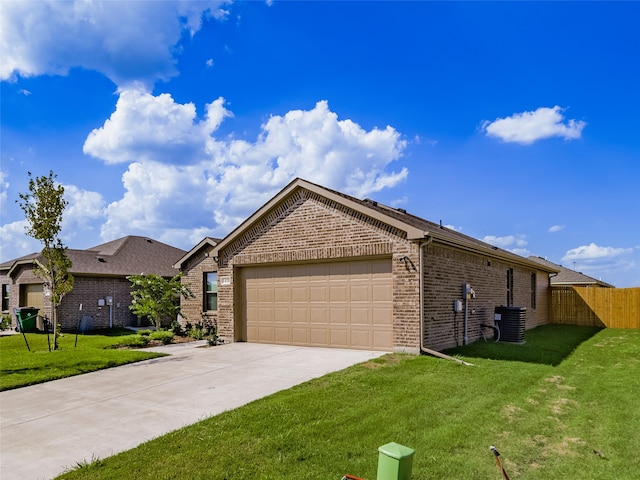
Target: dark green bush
[
  {"x": 134, "y": 341},
  {"x": 164, "y": 336},
  {"x": 5, "y": 322}
]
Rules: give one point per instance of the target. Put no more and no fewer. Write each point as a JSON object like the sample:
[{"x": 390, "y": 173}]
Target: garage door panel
[
  {"x": 266, "y": 295},
  {"x": 281, "y": 293},
  {"x": 299, "y": 315},
  {"x": 338, "y": 304},
  {"x": 382, "y": 340},
  {"x": 300, "y": 336},
  {"x": 300, "y": 293},
  {"x": 381, "y": 315},
  {"x": 281, "y": 312},
  {"x": 340, "y": 338},
  {"x": 360, "y": 316},
  {"x": 319, "y": 337},
  {"x": 338, "y": 293},
  {"x": 360, "y": 338},
  {"x": 319, "y": 314},
  {"x": 265, "y": 315},
  {"x": 283, "y": 334},
  {"x": 265, "y": 334},
  {"x": 317, "y": 293},
  {"x": 381, "y": 293},
  {"x": 360, "y": 293},
  {"x": 251, "y": 295},
  {"x": 339, "y": 315}
]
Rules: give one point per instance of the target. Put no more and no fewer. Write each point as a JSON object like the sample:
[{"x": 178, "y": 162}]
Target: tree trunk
[{"x": 54, "y": 322}]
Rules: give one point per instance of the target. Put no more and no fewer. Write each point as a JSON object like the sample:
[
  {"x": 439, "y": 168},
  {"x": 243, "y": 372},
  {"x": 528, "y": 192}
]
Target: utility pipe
[{"x": 465, "y": 335}]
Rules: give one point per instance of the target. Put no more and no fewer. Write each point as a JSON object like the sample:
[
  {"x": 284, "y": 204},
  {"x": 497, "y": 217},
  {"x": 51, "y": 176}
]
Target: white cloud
[
  {"x": 528, "y": 127},
  {"x": 181, "y": 178},
  {"x": 83, "y": 209},
  {"x": 506, "y": 241},
  {"x": 4, "y": 185},
  {"x": 555, "y": 228},
  {"x": 15, "y": 243},
  {"x": 594, "y": 252},
  {"x": 126, "y": 41},
  {"x": 513, "y": 243},
  {"x": 146, "y": 127}
]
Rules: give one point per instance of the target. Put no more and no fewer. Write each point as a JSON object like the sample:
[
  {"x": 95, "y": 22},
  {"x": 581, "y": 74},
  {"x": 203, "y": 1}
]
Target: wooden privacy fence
[{"x": 594, "y": 306}]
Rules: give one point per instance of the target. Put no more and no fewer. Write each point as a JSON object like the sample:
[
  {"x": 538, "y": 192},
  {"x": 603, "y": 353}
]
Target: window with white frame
[{"x": 210, "y": 291}]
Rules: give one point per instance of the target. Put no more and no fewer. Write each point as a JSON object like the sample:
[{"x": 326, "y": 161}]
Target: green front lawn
[
  {"x": 546, "y": 412},
  {"x": 20, "y": 367}
]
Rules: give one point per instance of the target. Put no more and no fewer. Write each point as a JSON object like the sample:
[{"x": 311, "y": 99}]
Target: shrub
[
  {"x": 145, "y": 333},
  {"x": 134, "y": 341},
  {"x": 196, "y": 332},
  {"x": 164, "y": 336},
  {"x": 176, "y": 328},
  {"x": 205, "y": 330},
  {"x": 5, "y": 322}
]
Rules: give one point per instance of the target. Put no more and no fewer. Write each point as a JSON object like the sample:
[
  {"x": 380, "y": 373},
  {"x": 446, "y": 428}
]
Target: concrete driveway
[{"x": 48, "y": 428}]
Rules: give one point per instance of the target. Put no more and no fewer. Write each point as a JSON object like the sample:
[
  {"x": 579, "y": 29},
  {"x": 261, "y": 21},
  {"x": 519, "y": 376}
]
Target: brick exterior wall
[
  {"x": 446, "y": 269},
  {"x": 199, "y": 263},
  {"x": 307, "y": 227},
  {"x": 88, "y": 290}
]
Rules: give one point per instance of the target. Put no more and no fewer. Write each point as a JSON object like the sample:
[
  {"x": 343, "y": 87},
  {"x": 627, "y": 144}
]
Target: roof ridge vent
[
  {"x": 372, "y": 202},
  {"x": 401, "y": 210}
]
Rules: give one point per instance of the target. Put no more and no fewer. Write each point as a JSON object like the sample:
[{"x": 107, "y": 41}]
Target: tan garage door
[
  {"x": 339, "y": 304},
  {"x": 32, "y": 295}
]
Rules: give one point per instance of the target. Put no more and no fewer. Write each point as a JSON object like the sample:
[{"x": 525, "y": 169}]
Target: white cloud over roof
[
  {"x": 513, "y": 243},
  {"x": 594, "y": 252},
  {"x": 127, "y": 41},
  {"x": 528, "y": 127},
  {"x": 182, "y": 179}
]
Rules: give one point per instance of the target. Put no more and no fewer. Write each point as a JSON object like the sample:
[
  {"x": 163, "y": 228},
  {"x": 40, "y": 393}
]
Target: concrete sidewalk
[{"x": 48, "y": 428}]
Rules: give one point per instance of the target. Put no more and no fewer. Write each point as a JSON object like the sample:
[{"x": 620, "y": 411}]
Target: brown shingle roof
[
  {"x": 417, "y": 228},
  {"x": 131, "y": 255},
  {"x": 566, "y": 276}
]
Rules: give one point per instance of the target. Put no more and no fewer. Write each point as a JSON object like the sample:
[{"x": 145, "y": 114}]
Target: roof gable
[
  {"x": 207, "y": 241},
  {"x": 416, "y": 228}
]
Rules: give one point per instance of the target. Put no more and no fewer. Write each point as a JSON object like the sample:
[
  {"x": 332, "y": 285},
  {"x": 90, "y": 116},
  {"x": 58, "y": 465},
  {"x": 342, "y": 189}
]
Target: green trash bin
[
  {"x": 394, "y": 462},
  {"x": 26, "y": 318}
]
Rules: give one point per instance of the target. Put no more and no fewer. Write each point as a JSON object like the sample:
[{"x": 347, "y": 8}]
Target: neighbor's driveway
[{"x": 47, "y": 428}]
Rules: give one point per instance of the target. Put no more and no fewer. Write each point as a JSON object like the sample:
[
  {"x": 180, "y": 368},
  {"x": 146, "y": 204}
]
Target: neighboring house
[
  {"x": 201, "y": 276},
  {"x": 316, "y": 267},
  {"x": 101, "y": 286},
  {"x": 569, "y": 278}
]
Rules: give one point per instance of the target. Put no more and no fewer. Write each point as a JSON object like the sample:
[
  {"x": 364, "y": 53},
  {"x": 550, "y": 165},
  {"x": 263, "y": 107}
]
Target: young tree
[
  {"x": 156, "y": 298},
  {"x": 43, "y": 206}
]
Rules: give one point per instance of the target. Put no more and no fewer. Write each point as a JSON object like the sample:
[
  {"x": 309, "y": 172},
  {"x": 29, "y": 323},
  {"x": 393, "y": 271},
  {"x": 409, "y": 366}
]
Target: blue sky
[{"x": 515, "y": 123}]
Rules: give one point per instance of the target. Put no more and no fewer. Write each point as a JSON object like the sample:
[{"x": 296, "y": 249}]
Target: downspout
[
  {"x": 424, "y": 349},
  {"x": 550, "y": 310}
]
